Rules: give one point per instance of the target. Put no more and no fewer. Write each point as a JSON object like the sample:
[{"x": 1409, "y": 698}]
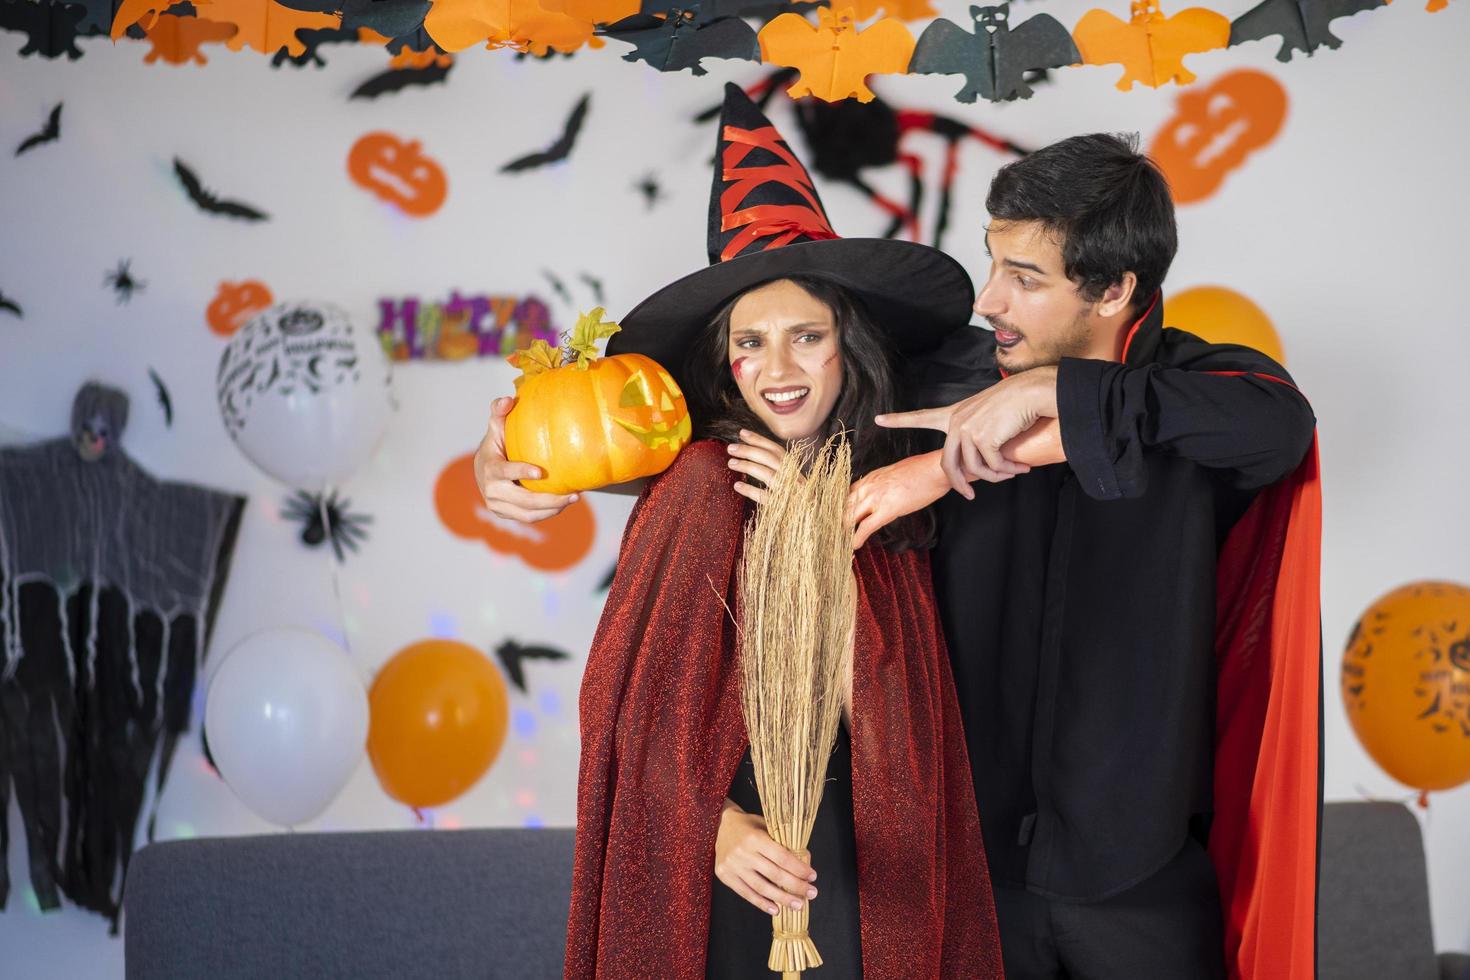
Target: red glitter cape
[
  {"x": 662, "y": 735},
  {"x": 1268, "y": 794}
]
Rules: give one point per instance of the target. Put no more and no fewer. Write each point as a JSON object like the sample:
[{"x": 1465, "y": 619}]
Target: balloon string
[{"x": 330, "y": 551}]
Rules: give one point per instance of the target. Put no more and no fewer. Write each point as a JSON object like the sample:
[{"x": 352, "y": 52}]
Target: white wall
[{"x": 1347, "y": 231}]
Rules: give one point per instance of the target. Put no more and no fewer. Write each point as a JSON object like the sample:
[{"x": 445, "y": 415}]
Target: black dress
[{"x": 740, "y": 933}]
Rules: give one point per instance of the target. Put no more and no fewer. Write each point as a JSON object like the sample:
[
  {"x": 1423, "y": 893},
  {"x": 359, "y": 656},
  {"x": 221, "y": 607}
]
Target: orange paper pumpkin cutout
[
  {"x": 177, "y": 40},
  {"x": 1150, "y": 46},
  {"x": 552, "y": 545},
  {"x": 1435, "y": 6},
  {"x": 1406, "y": 684},
  {"x": 1213, "y": 131},
  {"x": 235, "y": 303},
  {"x": 437, "y": 716},
  {"x": 524, "y": 25},
  {"x": 1223, "y": 316},
  {"x": 834, "y": 57},
  {"x": 398, "y": 173}
]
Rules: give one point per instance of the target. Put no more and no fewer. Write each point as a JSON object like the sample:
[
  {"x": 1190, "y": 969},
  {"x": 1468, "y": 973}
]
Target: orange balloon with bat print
[{"x": 1406, "y": 684}]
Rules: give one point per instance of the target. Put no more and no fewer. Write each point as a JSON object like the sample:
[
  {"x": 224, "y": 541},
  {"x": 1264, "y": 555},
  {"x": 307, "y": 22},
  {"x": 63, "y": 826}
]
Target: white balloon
[
  {"x": 304, "y": 394},
  {"x": 287, "y": 720}
]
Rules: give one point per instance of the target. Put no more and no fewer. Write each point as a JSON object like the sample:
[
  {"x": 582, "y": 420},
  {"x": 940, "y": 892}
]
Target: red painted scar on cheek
[
  {"x": 735, "y": 367},
  {"x": 830, "y": 359}
]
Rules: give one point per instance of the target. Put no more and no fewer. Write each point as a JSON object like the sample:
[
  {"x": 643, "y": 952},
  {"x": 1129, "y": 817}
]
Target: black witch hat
[{"x": 765, "y": 223}]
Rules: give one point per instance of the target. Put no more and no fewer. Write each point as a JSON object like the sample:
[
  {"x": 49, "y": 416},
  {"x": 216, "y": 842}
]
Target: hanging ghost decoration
[{"x": 109, "y": 579}]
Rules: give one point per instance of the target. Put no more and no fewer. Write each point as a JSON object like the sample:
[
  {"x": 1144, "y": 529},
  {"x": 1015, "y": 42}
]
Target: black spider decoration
[
  {"x": 849, "y": 137},
  {"x": 651, "y": 189},
  {"x": 345, "y": 529},
  {"x": 122, "y": 282}
]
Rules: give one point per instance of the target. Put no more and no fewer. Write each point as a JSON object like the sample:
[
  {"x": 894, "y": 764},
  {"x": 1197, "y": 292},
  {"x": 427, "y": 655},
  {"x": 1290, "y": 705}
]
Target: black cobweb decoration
[{"x": 328, "y": 518}]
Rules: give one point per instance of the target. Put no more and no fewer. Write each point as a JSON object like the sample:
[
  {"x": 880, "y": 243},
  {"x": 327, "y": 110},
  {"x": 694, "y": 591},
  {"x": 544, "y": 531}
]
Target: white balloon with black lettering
[{"x": 305, "y": 393}]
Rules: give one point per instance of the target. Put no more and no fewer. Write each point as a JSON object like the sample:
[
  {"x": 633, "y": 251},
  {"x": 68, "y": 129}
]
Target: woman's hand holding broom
[{"x": 755, "y": 867}]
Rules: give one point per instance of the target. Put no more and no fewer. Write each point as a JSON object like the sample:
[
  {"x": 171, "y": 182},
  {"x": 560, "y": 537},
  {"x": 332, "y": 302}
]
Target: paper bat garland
[
  {"x": 209, "y": 203},
  {"x": 524, "y": 25},
  {"x": 49, "y": 133},
  {"x": 559, "y": 150},
  {"x": 1301, "y": 24},
  {"x": 995, "y": 58},
  {"x": 835, "y": 57},
  {"x": 8, "y": 305},
  {"x": 1150, "y": 46},
  {"x": 682, "y": 37}
]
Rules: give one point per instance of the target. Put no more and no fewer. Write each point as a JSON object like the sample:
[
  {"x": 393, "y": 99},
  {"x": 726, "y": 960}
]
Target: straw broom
[{"x": 797, "y": 600}]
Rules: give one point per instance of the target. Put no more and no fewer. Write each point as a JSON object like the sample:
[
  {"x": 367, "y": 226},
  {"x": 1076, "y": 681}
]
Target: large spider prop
[
  {"x": 122, "y": 281},
  {"x": 324, "y": 519},
  {"x": 849, "y": 137}
]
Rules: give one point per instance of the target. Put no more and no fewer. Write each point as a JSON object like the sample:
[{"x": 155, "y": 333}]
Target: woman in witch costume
[{"x": 790, "y": 334}]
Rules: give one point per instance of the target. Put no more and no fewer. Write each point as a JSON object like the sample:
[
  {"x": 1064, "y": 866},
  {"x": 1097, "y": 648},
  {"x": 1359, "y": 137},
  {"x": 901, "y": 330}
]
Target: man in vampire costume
[{"x": 1136, "y": 634}]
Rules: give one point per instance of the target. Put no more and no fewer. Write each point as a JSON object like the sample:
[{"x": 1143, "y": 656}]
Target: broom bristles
[{"x": 797, "y": 601}]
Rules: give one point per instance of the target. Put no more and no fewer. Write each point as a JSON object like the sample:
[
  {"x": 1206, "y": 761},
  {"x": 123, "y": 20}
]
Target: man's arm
[{"x": 1226, "y": 408}]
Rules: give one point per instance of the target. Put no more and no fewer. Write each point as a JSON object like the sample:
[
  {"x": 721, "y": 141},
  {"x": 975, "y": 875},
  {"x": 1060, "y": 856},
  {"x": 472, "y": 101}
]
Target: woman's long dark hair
[{"x": 868, "y": 389}]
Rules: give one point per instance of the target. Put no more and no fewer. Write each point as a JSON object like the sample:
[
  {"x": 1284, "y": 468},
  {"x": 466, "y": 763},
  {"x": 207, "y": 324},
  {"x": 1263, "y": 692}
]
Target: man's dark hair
[
  {"x": 869, "y": 388},
  {"x": 1108, "y": 203}
]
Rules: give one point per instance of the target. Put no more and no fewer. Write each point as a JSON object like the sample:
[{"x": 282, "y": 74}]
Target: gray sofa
[
  {"x": 493, "y": 903},
  {"x": 399, "y": 904}
]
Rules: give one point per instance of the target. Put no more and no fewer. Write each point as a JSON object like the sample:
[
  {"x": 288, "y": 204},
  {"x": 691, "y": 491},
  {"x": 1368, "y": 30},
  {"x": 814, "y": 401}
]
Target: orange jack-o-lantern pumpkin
[
  {"x": 236, "y": 303},
  {"x": 1214, "y": 129},
  {"x": 593, "y": 421},
  {"x": 398, "y": 173}
]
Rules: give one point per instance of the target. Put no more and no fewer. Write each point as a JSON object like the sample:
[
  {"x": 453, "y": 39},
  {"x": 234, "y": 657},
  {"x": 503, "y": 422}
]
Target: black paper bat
[
  {"x": 681, "y": 39},
  {"x": 593, "y": 284},
  {"x": 510, "y": 654},
  {"x": 1302, "y": 24},
  {"x": 651, "y": 190},
  {"x": 211, "y": 204},
  {"x": 557, "y": 286},
  {"x": 559, "y": 150},
  {"x": 312, "y": 40},
  {"x": 11, "y": 306},
  {"x": 163, "y": 398},
  {"x": 50, "y": 29},
  {"x": 607, "y": 580},
  {"x": 398, "y": 79},
  {"x": 100, "y": 15},
  {"x": 48, "y": 133},
  {"x": 995, "y": 58}
]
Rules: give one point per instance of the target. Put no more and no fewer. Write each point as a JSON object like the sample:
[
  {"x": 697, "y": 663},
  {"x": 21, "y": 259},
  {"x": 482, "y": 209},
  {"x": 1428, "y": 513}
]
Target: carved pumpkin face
[
  {"x": 398, "y": 173},
  {"x": 1214, "y": 129},
  {"x": 618, "y": 419},
  {"x": 236, "y": 303}
]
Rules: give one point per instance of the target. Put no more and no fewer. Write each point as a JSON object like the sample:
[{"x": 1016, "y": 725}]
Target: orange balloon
[
  {"x": 1406, "y": 684},
  {"x": 1223, "y": 316},
  {"x": 437, "y": 719}
]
